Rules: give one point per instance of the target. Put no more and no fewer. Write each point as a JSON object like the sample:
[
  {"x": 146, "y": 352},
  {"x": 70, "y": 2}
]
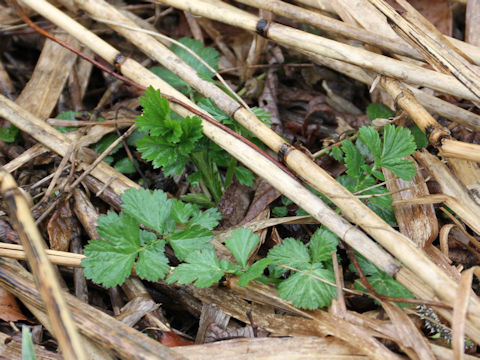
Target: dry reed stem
[
  {"x": 63, "y": 258},
  {"x": 46, "y": 279},
  {"x": 431, "y": 43},
  {"x": 394, "y": 241},
  {"x": 294, "y": 38}
]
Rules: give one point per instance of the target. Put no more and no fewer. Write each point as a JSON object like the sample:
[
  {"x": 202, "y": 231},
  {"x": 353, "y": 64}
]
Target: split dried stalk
[
  {"x": 13, "y": 251},
  {"x": 45, "y": 277},
  {"x": 431, "y": 43},
  {"x": 287, "y": 36},
  {"x": 126, "y": 342},
  {"x": 398, "y": 244}
]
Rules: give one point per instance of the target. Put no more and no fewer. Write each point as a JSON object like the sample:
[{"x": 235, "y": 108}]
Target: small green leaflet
[
  {"x": 397, "y": 143},
  {"x": 150, "y": 209},
  {"x": 9, "y": 134},
  {"x": 322, "y": 244},
  {"x": 305, "y": 290},
  {"x": 291, "y": 253},
  {"x": 241, "y": 244},
  {"x": 152, "y": 263},
  {"x": 254, "y": 271},
  {"x": 209, "y": 55},
  {"x": 244, "y": 176},
  {"x": 353, "y": 159},
  {"x": 379, "y": 111},
  {"x": 193, "y": 238},
  {"x": 110, "y": 261},
  {"x": 201, "y": 267}
]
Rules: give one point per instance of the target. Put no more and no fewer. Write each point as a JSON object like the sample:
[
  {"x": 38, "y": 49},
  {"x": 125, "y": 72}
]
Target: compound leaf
[
  {"x": 305, "y": 290},
  {"x": 151, "y": 209},
  {"x": 201, "y": 267},
  {"x": 191, "y": 239},
  {"x": 152, "y": 264}
]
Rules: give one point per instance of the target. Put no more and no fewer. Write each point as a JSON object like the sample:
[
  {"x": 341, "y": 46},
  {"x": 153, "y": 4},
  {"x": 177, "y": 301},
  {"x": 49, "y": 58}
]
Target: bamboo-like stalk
[
  {"x": 45, "y": 276},
  {"x": 126, "y": 342},
  {"x": 430, "y": 102},
  {"x": 431, "y": 43},
  {"x": 353, "y": 208},
  {"x": 284, "y": 35},
  {"x": 14, "y": 251},
  {"x": 334, "y": 26},
  {"x": 59, "y": 142}
]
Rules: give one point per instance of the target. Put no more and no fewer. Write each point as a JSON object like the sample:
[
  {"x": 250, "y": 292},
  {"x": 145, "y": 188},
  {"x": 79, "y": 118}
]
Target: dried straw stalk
[
  {"x": 395, "y": 242},
  {"x": 46, "y": 279},
  {"x": 287, "y": 36}
]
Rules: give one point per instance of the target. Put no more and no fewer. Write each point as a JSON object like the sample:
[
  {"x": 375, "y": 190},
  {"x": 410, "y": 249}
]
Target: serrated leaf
[
  {"x": 421, "y": 139},
  {"x": 125, "y": 166},
  {"x": 262, "y": 115},
  {"x": 254, "y": 271},
  {"x": 291, "y": 253},
  {"x": 110, "y": 262},
  {"x": 162, "y": 154},
  {"x": 151, "y": 209},
  {"x": 218, "y": 114},
  {"x": 201, "y": 267},
  {"x": 152, "y": 263},
  {"x": 307, "y": 292},
  {"x": 200, "y": 199},
  {"x": 280, "y": 211},
  {"x": 168, "y": 76},
  {"x": 337, "y": 153},
  {"x": 207, "y": 219},
  {"x": 322, "y": 244},
  {"x": 209, "y": 55},
  {"x": 371, "y": 138},
  {"x": 156, "y": 118},
  {"x": 191, "y": 133},
  {"x": 379, "y": 111},
  {"x": 102, "y": 145},
  {"x": 241, "y": 244},
  {"x": 181, "y": 211},
  {"x": 244, "y": 176},
  {"x": 193, "y": 238},
  {"x": 398, "y": 142},
  {"x": 353, "y": 159}
]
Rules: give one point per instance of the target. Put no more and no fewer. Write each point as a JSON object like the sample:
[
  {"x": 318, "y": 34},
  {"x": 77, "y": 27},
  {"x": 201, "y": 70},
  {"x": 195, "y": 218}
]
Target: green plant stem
[{"x": 230, "y": 172}]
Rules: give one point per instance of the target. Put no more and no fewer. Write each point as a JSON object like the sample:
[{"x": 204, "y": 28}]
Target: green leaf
[
  {"x": 353, "y": 159},
  {"x": 209, "y": 106},
  {"x": 28, "y": 351},
  {"x": 125, "y": 166},
  {"x": 337, "y": 153},
  {"x": 379, "y": 111},
  {"x": 291, "y": 253},
  {"x": 207, "y": 219},
  {"x": 322, "y": 244},
  {"x": 105, "y": 142},
  {"x": 181, "y": 211},
  {"x": 254, "y": 271},
  {"x": 244, "y": 176},
  {"x": 161, "y": 153},
  {"x": 191, "y": 133},
  {"x": 388, "y": 286},
  {"x": 156, "y": 118},
  {"x": 381, "y": 205},
  {"x": 66, "y": 115},
  {"x": 421, "y": 139},
  {"x": 193, "y": 238},
  {"x": 371, "y": 138},
  {"x": 241, "y": 244},
  {"x": 151, "y": 209},
  {"x": 110, "y": 262},
  {"x": 200, "y": 199},
  {"x": 201, "y": 267},
  {"x": 209, "y": 55},
  {"x": 307, "y": 292},
  {"x": 262, "y": 115},
  {"x": 152, "y": 263},
  {"x": 169, "y": 77},
  {"x": 398, "y": 142},
  {"x": 9, "y": 134},
  {"x": 280, "y": 211}
]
